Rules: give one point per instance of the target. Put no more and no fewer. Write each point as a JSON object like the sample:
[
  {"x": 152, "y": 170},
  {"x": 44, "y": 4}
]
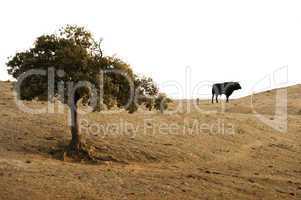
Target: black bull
[{"x": 226, "y": 88}]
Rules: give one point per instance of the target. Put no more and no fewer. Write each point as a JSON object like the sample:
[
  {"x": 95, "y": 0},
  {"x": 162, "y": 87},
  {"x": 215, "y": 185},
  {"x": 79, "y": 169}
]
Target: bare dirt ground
[{"x": 221, "y": 152}]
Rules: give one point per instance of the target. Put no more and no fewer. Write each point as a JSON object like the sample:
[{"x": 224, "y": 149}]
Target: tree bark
[
  {"x": 161, "y": 110},
  {"x": 76, "y": 143}
]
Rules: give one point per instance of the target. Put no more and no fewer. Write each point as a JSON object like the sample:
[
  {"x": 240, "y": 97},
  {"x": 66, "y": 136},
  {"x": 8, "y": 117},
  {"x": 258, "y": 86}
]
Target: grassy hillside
[
  {"x": 222, "y": 152},
  {"x": 262, "y": 103}
]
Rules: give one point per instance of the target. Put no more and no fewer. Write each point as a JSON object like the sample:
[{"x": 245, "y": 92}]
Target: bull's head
[{"x": 236, "y": 86}]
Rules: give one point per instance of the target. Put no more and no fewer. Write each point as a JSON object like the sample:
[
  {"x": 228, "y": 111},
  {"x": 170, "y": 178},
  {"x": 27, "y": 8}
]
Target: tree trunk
[
  {"x": 161, "y": 109},
  {"x": 76, "y": 143}
]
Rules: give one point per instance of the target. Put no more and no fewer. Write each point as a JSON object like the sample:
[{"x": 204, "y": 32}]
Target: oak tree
[{"x": 77, "y": 58}]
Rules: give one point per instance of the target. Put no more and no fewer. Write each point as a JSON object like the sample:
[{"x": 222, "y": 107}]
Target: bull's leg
[
  {"x": 227, "y": 99},
  {"x": 216, "y": 98},
  {"x": 212, "y": 98}
]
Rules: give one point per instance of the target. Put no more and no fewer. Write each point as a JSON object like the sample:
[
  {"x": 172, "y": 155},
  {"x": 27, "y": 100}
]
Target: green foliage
[
  {"x": 161, "y": 102},
  {"x": 145, "y": 91},
  {"x": 145, "y": 86},
  {"x": 73, "y": 50},
  {"x": 70, "y": 51}
]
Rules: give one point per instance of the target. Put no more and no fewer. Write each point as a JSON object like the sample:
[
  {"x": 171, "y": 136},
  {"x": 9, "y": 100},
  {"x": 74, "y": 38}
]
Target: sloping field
[{"x": 219, "y": 151}]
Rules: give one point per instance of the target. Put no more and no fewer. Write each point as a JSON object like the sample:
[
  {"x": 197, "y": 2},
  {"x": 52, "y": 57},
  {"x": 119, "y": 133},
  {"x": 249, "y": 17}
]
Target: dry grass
[{"x": 256, "y": 162}]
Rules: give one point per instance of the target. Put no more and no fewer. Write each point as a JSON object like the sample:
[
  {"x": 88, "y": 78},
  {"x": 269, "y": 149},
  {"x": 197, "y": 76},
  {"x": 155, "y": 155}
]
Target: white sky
[{"x": 219, "y": 40}]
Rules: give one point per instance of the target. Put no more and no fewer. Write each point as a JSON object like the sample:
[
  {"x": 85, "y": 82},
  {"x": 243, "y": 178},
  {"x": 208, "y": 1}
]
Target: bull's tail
[{"x": 213, "y": 92}]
